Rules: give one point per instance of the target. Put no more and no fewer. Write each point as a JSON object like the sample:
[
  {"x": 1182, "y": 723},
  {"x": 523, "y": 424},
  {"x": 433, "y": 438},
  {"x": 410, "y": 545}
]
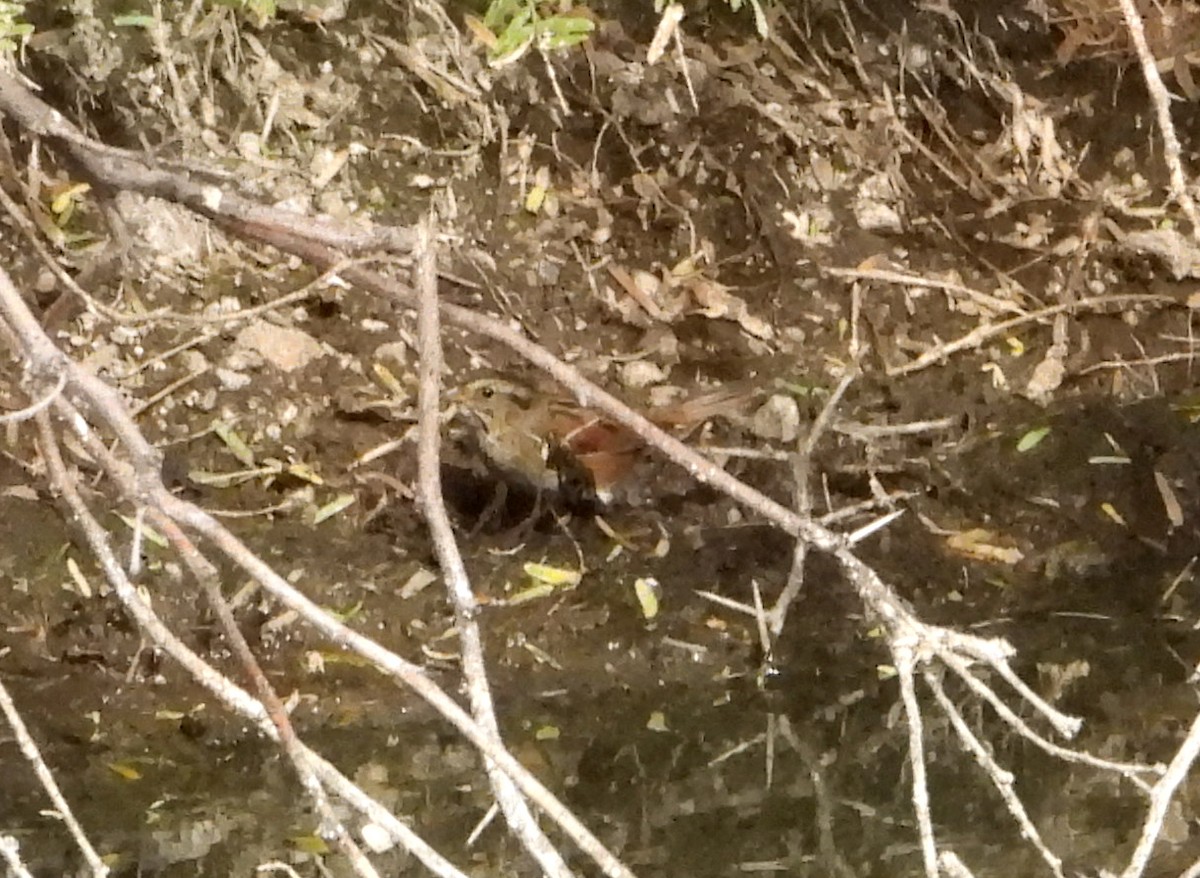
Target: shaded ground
[{"x": 795, "y": 162}]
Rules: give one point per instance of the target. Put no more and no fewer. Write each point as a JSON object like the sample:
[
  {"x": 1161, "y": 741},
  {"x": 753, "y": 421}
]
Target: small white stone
[
  {"x": 641, "y": 373},
  {"x": 777, "y": 419},
  {"x": 377, "y": 838}
]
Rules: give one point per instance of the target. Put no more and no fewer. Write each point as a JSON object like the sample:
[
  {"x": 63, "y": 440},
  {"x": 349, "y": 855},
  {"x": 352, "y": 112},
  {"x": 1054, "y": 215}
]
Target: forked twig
[{"x": 139, "y": 482}]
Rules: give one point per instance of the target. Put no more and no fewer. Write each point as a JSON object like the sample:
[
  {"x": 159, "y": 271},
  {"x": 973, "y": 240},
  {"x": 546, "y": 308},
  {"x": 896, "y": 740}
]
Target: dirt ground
[{"x": 941, "y": 234}]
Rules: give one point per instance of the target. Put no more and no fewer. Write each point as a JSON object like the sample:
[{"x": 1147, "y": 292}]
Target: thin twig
[
  {"x": 987, "y": 331},
  {"x": 1162, "y": 108},
  {"x": 29, "y": 749},
  {"x": 10, "y": 852},
  {"x": 1161, "y": 796},
  {"x": 454, "y": 573},
  {"x": 40, "y": 403},
  {"x": 802, "y": 500},
  {"x": 984, "y": 300},
  {"x": 905, "y": 656},
  {"x": 1002, "y": 780}
]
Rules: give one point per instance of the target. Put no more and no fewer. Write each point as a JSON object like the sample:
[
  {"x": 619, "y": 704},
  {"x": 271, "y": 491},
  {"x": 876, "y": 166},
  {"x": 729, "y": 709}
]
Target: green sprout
[
  {"x": 510, "y": 28},
  {"x": 13, "y": 31}
]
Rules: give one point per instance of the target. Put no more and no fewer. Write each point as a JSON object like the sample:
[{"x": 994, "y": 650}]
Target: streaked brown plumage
[{"x": 547, "y": 440}]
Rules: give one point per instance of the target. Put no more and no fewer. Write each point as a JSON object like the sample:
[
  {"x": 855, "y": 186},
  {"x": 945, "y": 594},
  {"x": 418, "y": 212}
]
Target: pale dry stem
[
  {"x": 29, "y": 749},
  {"x": 516, "y": 810},
  {"x": 1162, "y": 108}
]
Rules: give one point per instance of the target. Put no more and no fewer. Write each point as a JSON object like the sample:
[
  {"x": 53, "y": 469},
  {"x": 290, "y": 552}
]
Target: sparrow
[{"x": 554, "y": 444}]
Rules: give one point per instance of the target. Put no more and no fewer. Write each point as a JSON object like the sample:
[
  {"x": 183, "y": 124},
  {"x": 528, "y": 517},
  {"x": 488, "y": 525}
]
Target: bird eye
[{"x": 487, "y": 392}]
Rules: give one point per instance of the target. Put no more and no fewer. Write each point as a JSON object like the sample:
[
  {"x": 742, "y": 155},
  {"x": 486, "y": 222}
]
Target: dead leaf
[{"x": 980, "y": 545}]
